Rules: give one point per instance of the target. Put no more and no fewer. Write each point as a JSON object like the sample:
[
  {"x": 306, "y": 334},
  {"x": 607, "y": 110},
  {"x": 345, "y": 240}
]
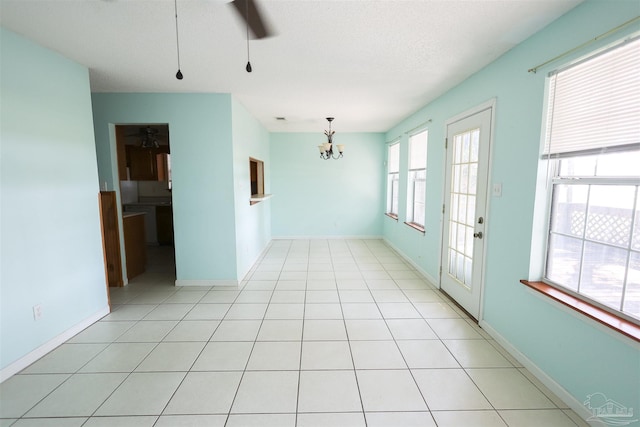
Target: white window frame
[
  {"x": 393, "y": 181},
  {"x": 417, "y": 173},
  {"x": 551, "y": 161},
  {"x": 582, "y": 236}
]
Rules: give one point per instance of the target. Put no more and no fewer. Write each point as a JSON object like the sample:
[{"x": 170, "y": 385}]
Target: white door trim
[{"x": 490, "y": 104}]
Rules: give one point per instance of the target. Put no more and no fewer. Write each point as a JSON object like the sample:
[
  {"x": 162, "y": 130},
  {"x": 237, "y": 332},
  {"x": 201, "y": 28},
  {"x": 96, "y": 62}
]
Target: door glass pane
[
  {"x": 466, "y": 137},
  {"x": 454, "y": 208},
  {"x": 456, "y": 178},
  {"x": 468, "y": 244},
  {"x": 473, "y": 177},
  {"x": 471, "y": 209},
  {"x": 453, "y": 236},
  {"x": 452, "y": 260},
  {"x": 460, "y": 267},
  {"x": 475, "y": 145},
  {"x": 457, "y": 149},
  {"x": 462, "y": 206},
  {"x": 464, "y": 176},
  {"x": 468, "y": 269},
  {"x": 462, "y": 238}
]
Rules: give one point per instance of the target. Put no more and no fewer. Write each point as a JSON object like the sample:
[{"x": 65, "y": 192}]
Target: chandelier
[{"x": 326, "y": 149}]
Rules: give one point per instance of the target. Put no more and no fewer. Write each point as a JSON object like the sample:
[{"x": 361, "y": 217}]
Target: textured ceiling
[{"x": 368, "y": 63}]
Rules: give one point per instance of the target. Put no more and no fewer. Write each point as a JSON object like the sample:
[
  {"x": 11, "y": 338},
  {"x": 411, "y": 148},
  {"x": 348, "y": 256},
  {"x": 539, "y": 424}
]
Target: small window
[
  {"x": 417, "y": 179},
  {"x": 256, "y": 172},
  {"x": 393, "y": 184}
]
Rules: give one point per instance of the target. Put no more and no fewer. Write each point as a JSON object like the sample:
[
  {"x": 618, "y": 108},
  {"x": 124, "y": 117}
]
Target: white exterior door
[{"x": 465, "y": 199}]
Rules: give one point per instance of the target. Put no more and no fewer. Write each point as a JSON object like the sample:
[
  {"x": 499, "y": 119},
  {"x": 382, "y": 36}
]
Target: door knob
[{"x": 478, "y": 235}]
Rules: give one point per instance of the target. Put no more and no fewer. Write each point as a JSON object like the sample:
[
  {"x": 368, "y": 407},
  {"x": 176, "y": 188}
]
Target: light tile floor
[{"x": 321, "y": 333}]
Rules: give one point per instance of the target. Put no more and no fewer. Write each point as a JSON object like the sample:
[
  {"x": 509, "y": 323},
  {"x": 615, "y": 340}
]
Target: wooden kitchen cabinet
[
  {"x": 135, "y": 245},
  {"x": 111, "y": 237},
  {"x": 121, "y": 153},
  {"x": 148, "y": 164}
]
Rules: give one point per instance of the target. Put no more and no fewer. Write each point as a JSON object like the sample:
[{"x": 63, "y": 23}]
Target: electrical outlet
[{"x": 37, "y": 312}]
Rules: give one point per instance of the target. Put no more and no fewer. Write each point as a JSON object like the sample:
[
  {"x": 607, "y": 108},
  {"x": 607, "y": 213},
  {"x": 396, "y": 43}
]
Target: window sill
[
  {"x": 392, "y": 215},
  {"x": 415, "y": 226},
  {"x": 257, "y": 198},
  {"x": 610, "y": 320}
]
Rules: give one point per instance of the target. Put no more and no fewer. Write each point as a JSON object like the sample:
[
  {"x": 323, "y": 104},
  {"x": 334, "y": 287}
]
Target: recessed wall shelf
[{"x": 256, "y": 176}]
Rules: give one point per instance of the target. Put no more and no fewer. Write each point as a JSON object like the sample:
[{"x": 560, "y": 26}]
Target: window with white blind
[
  {"x": 393, "y": 182},
  {"x": 416, "y": 182},
  {"x": 592, "y": 144}
]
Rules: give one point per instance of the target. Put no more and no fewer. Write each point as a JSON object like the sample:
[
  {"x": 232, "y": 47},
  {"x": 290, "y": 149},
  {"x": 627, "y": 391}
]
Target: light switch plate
[{"x": 497, "y": 189}]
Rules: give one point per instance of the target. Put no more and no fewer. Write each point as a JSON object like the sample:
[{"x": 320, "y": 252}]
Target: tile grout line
[
  {"x": 129, "y": 374},
  {"x": 244, "y": 371},
  {"x": 344, "y": 322},
  {"x": 71, "y": 375},
  {"x": 304, "y": 309},
  {"x": 402, "y": 354}
]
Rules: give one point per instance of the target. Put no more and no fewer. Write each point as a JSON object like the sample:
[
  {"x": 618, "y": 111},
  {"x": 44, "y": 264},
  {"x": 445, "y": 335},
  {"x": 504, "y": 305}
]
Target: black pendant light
[
  {"x": 179, "y": 75},
  {"x": 248, "y": 67}
]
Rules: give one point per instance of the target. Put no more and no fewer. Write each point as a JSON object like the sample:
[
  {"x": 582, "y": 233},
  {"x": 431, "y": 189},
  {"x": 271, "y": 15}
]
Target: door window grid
[{"x": 464, "y": 174}]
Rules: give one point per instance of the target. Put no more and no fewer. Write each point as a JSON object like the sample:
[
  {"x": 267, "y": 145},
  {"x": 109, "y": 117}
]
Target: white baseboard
[
  {"x": 259, "y": 258},
  {"x": 326, "y": 237},
  {"x": 545, "y": 379},
  {"x": 209, "y": 283},
  {"x": 426, "y": 275},
  {"x": 26, "y": 360}
]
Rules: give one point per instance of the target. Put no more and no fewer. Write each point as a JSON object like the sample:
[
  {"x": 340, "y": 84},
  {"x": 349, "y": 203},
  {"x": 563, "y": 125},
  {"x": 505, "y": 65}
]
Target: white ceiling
[{"x": 368, "y": 63}]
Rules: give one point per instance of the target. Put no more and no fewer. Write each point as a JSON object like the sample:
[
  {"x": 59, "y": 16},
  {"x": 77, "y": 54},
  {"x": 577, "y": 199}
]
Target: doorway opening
[{"x": 144, "y": 174}]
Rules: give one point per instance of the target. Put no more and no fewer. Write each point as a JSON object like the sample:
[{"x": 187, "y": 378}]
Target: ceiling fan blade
[
  {"x": 146, "y": 132},
  {"x": 257, "y": 23}
]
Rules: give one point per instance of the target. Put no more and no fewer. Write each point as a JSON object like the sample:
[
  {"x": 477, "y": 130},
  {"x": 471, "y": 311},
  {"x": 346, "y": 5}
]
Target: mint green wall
[
  {"x": 314, "y": 197},
  {"x": 580, "y": 356},
  {"x": 421, "y": 248},
  {"x": 202, "y": 170},
  {"x": 253, "y": 223},
  {"x": 50, "y": 241}
]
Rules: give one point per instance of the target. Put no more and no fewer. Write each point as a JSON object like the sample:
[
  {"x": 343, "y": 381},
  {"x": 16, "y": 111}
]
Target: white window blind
[
  {"x": 394, "y": 158},
  {"x": 418, "y": 151},
  {"x": 595, "y": 104}
]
